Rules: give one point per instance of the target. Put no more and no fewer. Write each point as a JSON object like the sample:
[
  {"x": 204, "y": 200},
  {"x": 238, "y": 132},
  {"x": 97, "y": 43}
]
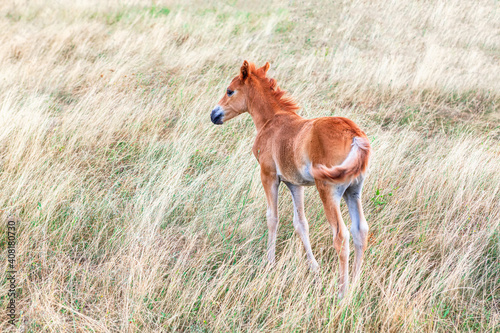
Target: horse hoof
[{"x": 314, "y": 266}]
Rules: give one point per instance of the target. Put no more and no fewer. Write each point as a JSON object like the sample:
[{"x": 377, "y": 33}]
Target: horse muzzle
[{"x": 217, "y": 115}]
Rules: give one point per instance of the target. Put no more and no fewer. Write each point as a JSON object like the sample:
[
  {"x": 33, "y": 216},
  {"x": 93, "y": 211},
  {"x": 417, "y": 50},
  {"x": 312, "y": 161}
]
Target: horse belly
[{"x": 300, "y": 176}]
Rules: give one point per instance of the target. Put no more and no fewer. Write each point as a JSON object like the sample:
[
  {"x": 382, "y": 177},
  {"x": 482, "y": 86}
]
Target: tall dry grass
[{"x": 137, "y": 214}]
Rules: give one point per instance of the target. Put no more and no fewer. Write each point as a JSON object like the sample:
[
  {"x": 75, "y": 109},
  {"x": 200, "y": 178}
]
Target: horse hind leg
[
  {"x": 330, "y": 195},
  {"x": 359, "y": 226},
  {"x": 300, "y": 222}
]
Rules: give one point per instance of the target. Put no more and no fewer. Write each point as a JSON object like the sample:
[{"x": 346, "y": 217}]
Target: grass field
[{"x": 136, "y": 213}]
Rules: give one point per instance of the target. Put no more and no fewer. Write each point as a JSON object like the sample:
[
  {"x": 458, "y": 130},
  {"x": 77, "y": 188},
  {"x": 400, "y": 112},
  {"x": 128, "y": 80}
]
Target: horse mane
[{"x": 283, "y": 98}]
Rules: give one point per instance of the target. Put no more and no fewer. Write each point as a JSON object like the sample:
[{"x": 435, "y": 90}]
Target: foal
[{"x": 329, "y": 152}]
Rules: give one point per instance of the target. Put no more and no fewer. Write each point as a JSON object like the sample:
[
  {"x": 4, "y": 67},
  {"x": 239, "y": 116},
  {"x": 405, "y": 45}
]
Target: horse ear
[
  {"x": 265, "y": 68},
  {"x": 244, "y": 71}
]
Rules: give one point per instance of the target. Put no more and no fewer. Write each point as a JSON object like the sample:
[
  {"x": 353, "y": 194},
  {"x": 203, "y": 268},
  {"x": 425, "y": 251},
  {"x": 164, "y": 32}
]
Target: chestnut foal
[{"x": 329, "y": 152}]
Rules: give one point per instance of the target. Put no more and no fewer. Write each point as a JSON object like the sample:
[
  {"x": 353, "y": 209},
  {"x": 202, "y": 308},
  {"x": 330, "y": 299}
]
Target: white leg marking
[{"x": 359, "y": 227}]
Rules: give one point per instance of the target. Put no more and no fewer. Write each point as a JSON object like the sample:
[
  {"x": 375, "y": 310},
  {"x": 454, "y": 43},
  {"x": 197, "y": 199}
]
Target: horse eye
[{"x": 230, "y": 92}]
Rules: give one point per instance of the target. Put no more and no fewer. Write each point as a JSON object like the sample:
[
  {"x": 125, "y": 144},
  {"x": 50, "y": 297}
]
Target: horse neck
[{"x": 261, "y": 109}]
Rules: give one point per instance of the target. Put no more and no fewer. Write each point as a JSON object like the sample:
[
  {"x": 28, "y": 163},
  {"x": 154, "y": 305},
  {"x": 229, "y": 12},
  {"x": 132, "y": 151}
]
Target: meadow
[{"x": 135, "y": 213}]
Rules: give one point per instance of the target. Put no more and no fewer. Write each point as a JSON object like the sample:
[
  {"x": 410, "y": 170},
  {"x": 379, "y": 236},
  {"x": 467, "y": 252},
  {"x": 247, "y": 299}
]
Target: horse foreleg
[{"x": 271, "y": 182}]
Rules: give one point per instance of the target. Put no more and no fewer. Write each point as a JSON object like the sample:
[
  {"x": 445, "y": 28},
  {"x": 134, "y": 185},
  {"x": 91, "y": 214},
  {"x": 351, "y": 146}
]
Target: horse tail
[{"x": 354, "y": 165}]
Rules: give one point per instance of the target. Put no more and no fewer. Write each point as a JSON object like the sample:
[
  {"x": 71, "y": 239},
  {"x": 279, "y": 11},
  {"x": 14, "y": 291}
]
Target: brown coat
[{"x": 330, "y": 152}]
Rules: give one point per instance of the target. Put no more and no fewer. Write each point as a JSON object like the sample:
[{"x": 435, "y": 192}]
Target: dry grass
[{"x": 137, "y": 214}]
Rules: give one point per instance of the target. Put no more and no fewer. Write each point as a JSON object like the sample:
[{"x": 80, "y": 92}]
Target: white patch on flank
[
  {"x": 306, "y": 172},
  {"x": 278, "y": 172}
]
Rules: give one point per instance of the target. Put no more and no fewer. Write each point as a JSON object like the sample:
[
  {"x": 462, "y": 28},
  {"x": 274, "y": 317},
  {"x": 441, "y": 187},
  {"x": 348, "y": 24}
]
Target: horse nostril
[
  {"x": 216, "y": 116},
  {"x": 217, "y": 120}
]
